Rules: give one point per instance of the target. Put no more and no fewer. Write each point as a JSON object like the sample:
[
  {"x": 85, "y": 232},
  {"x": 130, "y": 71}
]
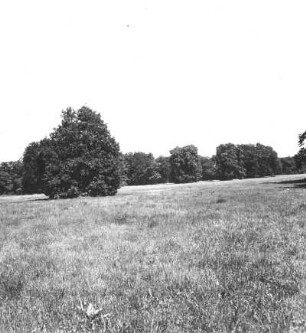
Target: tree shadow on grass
[
  {"x": 297, "y": 183},
  {"x": 7, "y": 201}
]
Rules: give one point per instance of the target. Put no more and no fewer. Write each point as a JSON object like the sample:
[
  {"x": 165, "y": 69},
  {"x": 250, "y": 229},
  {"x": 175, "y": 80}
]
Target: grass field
[{"x": 204, "y": 257}]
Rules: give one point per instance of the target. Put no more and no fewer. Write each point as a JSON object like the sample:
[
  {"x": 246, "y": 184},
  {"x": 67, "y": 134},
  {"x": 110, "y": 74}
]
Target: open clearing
[{"x": 204, "y": 257}]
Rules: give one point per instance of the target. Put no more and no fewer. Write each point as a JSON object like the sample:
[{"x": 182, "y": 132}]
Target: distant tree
[
  {"x": 302, "y": 138},
  {"x": 259, "y": 160},
  {"x": 288, "y": 165},
  {"x": 5, "y": 180},
  {"x": 300, "y": 161},
  {"x": 141, "y": 169},
  {"x": 240, "y": 161},
  {"x": 34, "y": 161},
  {"x": 300, "y": 157},
  {"x": 185, "y": 166},
  {"x": 250, "y": 160},
  {"x": 10, "y": 177},
  {"x": 123, "y": 170},
  {"x": 268, "y": 161},
  {"x": 163, "y": 168},
  {"x": 17, "y": 172},
  {"x": 30, "y": 176},
  {"x": 229, "y": 162},
  {"x": 81, "y": 157},
  {"x": 208, "y": 167}
]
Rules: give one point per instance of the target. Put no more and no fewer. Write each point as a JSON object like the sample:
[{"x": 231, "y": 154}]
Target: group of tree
[
  {"x": 140, "y": 169},
  {"x": 80, "y": 157},
  {"x": 184, "y": 165},
  {"x": 246, "y": 161},
  {"x": 11, "y": 174}
]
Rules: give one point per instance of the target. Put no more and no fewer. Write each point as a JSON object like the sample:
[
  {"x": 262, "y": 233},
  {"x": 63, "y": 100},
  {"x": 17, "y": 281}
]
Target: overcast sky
[{"x": 162, "y": 73}]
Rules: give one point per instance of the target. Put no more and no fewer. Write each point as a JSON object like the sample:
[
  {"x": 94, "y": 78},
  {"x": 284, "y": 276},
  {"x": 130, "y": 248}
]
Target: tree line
[{"x": 80, "y": 157}]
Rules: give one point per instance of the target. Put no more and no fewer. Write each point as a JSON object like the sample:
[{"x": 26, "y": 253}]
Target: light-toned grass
[{"x": 204, "y": 257}]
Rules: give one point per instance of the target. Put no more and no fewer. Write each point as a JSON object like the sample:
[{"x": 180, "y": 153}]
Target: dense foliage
[
  {"x": 229, "y": 162},
  {"x": 11, "y": 177},
  {"x": 300, "y": 157},
  {"x": 185, "y": 166},
  {"x": 34, "y": 161},
  {"x": 79, "y": 158},
  {"x": 300, "y": 161},
  {"x": 163, "y": 168},
  {"x": 141, "y": 169},
  {"x": 288, "y": 165},
  {"x": 268, "y": 162},
  {"x": 246, "y": 161},
  {"x": 208, "y": 168}
]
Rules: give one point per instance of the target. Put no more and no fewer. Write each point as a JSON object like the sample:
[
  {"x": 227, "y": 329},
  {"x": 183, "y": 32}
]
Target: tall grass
[{"x": 205, "y": 257}]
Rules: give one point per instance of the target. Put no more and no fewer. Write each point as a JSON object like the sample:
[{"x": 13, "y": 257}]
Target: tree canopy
[
  {"x": 300, "y": 157},
  {"x": 163, "y": 168},
  {"x": 208, "y": 168},
  {"x": 141, "y": 169},
  {"x": 185, "y": 164},
  {"x": 229, "y": 163},
  {"x": 288, "y": 165},
  {"x": 34, "y": 162},
  {"x": 11, "y": 177},
  {"x": 246, "y": 161},
  {"x": 79, "y": 158}
]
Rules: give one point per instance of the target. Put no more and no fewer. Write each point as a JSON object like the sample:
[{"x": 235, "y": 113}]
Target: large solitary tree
[{"x": 79, "y": 158}]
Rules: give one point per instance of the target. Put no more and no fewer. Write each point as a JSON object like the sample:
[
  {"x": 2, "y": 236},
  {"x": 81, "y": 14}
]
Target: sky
[{"x": 162, "y": 73}]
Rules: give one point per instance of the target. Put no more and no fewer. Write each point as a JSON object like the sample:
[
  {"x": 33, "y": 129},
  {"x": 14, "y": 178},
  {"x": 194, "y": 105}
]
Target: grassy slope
[{"x": 206, "y": 257}]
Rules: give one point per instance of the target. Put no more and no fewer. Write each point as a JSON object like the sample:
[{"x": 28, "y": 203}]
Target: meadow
[{"x": 204, "y": 257}]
